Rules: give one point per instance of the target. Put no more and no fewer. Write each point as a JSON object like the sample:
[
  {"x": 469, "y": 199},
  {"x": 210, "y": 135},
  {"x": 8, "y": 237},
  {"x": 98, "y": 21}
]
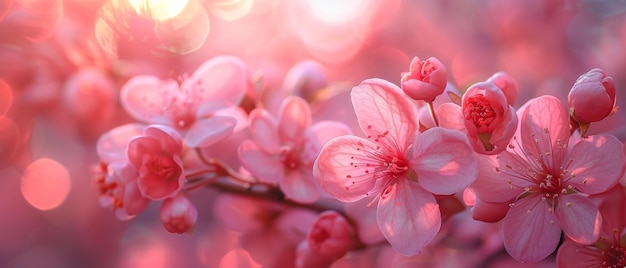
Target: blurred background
[{"x": 62, "y": 64}]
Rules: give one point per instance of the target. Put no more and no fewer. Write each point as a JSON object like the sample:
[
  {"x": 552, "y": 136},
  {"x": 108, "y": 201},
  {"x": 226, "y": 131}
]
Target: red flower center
[
  {"x": 289, "y": 157},
  {"x": 478, "y": 110},
  {"x": 614, "y": 256},
  {"x": 162, "y": 166}
]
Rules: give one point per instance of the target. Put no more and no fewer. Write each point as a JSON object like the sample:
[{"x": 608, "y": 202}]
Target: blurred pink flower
[
  {"x": 115, "y": 179},
  {"x": 549, "y": 176},
  {"x": 283, "y": 151},
  {"x": 331, "y": 235},
  {"x": 198, "y": 108},
  {"x": 400, "y": 167},
  {"x": 178, "y": 215},
  {"x": 425, "y": 80},
  {"x": 592, "y": 98},
  {"x": 156, "y": 155}
]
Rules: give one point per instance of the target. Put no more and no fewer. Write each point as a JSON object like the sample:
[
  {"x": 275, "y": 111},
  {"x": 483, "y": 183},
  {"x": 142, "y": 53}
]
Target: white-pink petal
[
  {"x": 336, "y": 172},
  {"x": 408, "y": 217},
  {"x": 142, "y": 96},
  {"x": 111, "y": 145},
  {"x": 264, "y": 130},
  {"x": 220, "y": 82},
  {"x": 260, "y": 164},
  {"x": 298, "y": 185},
  {"x": 444, "y": 161},
  {"x": 208, "y": 131},
  {"x": 383, "y": 110},
  {"x": 318, "y": 135},
  {"x": 579, "y": 218},
  {"x": 169, "y": 138},
  {"x": 294, "y": 118},
  {"x": 530, "y": 232},
  {"x": 597, "y": 164},
  {"x": 493, "y": 186}
]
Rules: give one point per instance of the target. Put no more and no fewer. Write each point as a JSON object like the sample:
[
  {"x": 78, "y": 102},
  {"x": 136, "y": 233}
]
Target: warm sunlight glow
[
  {"x": 336, "y": 12},
  {"x": 45, "y": 184},
  {"x": 160, "y": 10}
]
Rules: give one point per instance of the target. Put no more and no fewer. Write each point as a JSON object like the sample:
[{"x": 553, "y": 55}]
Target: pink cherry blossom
[
  {"x": 425, "y": 80},
  {"x": 195, "y": 107},
  {"x": 548, "y": 178},
  {"x": 331, "y": 235},
  {"x": 592, "y": 98},
  {"x": 396, "y": 165},
  {"x": 283, "y": 150},
  {"x": 178, "y": 215},
  {"x": 485, "y": 115},
  {"x": 115, "y": 179},
  {"x": 156, "y": 155}
]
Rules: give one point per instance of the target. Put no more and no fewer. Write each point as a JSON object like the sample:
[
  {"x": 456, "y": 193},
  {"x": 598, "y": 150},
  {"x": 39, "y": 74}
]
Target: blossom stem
[{"x": 433, "y": 115}]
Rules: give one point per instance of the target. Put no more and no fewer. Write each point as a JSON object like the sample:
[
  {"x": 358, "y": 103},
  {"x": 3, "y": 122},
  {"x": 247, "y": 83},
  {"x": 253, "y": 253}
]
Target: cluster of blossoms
[{"x": 425, "y": 152}]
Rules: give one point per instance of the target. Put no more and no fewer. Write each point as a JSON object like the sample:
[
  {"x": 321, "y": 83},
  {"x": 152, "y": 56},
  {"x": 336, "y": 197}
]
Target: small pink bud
[
  {"x": 178, "y": 214},
  {"x": 592, "y": 98},
  {"x": 425, "y": 79},
  {"x": 331, "y": 235}
]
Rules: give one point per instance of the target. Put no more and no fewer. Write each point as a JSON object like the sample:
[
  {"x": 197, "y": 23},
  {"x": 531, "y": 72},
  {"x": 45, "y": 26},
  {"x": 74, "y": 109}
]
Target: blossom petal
[
  {"x": 319, "y": 134},
  {"x": 264, "y": 129},
  {"x": 544, "y": 130},
  {"x": 208, "y": 131},
  {"x": 383, "y": 111},
  {"x": 579, "y": 218},
  {"x": 142, "y": 97},
  {"x": 259, "y": 163},
  {"x": 443, "y": 161},
  {"x": 294, "y": 118},
  {"x": 168, "y": 137},
  {"x": 530, "y": 232},
  {"x": 219, "y": 83},
  {"x": 574, "y": 255},
  {"x": 299, "y": 186},
  {"x": 597, "y": 164},
  {"x": 408, "y": 216},
  {"x": 341, "y": 168},
  {"x": 111, "y": 145},
  {"x": 140, "y": 146},
  {"x": 493, "y": 184},
  {"x": 451, "y": 117}
]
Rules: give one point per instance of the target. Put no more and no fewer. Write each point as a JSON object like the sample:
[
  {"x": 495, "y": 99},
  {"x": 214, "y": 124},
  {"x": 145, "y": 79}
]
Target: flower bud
[
  {"x": 507, "y": 84},
  {"x": 592, "y": 98},
  {"x": 178, "y": 214},
  {"x": 331, "y": 235},
  {"x": 425, "y": 79}
]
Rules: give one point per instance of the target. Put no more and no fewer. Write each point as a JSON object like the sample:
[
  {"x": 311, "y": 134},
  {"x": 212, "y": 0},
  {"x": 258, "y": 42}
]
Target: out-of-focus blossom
[
  {"x": 178, "y": 215},
  {"x": 331, "y": 235},
  {"x": 592, "y": 98},
  {"x": 283, "y": 151},
  {"x": 29, "y": 21},
  {"x": 305, "y": 79},
  {"x": 548, "y": 178},
  {"x": 425, "y": 80},
  {"x": 397, "y": 165},
  {"x": 198, "y": 107},
  {"x": 156, "y": 155}
]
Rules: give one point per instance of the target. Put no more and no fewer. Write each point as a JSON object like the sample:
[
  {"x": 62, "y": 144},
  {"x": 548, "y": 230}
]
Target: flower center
[
  {"x": 551, "y": 185},
  {"x": 396, "y": 166},
  {"x": 289, "y": 157},
  {"x": 614, "y": 256},
  {"x": 183, "y": 119},
  {"x": 162, "y": 166},
  {"x": 478, "y": 110}
]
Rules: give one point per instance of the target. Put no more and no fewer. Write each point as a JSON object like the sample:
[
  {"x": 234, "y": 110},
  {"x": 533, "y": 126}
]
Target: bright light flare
[
  {"x": 159, "y": 10},
  {"x": 336, "y": 12},
  {"x": 45, "y": 184}
]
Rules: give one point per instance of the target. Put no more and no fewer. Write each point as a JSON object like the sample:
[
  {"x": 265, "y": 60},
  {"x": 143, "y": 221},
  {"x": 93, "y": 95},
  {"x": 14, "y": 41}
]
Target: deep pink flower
[
  {"x": 115, "y": 178},
  {"x": 196, "y": 106},
  {"x": 178, "y": 215},
  {"x": 425, "y": 80},
  {"x": 331, "y": 235},
  {"x": 156, "y": 154},
  {"x": 592, "y": 98},
  {"x": 283, "y": 151},
  {"x": 397, "y": 166},
  {"x": 548, "y": 176}
]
